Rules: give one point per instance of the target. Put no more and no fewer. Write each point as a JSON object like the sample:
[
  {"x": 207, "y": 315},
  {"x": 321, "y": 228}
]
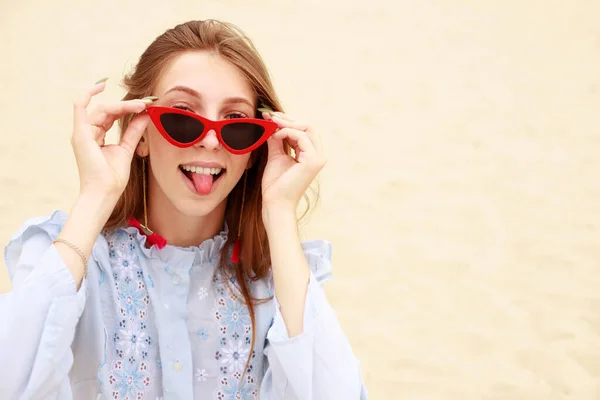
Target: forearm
[
  {"x": 291, "y": 273},
  {"x": 86, "y": 219},
  {"x": 39, "y": 319},
  {"x": 39, "y": 314},
  {"x": 319, "y": 364}
]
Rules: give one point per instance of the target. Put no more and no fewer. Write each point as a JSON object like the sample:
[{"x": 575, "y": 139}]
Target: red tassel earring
[{"x": 237, "y": 246}]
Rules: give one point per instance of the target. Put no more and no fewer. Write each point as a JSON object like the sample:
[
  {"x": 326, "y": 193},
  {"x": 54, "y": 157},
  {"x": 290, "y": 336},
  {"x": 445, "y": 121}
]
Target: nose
[{"x": 210, "y": 142}]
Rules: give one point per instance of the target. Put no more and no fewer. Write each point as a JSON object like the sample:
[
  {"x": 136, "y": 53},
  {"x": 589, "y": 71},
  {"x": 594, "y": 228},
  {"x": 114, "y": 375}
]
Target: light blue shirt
[{"x": 161, "y": 324}]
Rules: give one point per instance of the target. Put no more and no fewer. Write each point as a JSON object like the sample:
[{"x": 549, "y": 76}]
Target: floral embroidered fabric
[
  {"x": 218, "y": 324},
  {"x": 150, "y": 323}
]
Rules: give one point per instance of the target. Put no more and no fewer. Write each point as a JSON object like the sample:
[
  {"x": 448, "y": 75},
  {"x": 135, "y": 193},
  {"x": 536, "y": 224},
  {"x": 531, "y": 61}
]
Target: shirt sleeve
[
  {"x": 39, "y": 315},
  {"x": 318, "y": 363}
]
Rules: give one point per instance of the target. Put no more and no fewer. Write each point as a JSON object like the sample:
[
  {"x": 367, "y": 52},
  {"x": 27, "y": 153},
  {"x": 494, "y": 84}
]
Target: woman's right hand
[{"x": 104, "y": 169}]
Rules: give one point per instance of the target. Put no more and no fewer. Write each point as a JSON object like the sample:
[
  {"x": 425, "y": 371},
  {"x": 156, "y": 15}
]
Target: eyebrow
[{"x": 192, "y": 92}]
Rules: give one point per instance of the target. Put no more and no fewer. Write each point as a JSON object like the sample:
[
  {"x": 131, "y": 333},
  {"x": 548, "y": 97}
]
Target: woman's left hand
[{"x": 286, "y": 178}]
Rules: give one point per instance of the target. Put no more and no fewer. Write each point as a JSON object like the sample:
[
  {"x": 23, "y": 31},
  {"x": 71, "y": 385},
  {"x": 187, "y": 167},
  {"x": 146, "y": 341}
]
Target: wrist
[
  {"x": 104, "y": 202},
  {"x": 94, "y": 209},
  {"x": 107, "y": 196},
  {"x": 278, "y": 215},
  {"x": 87, "y": 217}
]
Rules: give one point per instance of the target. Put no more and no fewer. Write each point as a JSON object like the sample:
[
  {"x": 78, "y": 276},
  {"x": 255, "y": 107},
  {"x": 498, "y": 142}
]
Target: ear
[{"x": 142, "y": 149}]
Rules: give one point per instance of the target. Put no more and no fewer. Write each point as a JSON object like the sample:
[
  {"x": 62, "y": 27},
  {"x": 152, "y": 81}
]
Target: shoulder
[
  {"x": 33, "y": 238},
  {"x": 50, "y": 224},
  {"x": 318, "y": 255}
]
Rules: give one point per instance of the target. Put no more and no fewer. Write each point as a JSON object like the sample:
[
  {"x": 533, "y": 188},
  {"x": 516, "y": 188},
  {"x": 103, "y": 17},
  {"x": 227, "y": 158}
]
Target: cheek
[
  {"x": 239, "y": 162},
  {"x": 162, "y": 153}
]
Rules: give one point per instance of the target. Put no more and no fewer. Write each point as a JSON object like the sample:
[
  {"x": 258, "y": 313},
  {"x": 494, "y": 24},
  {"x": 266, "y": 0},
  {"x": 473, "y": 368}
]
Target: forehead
[{"x": 207, "y": 73}]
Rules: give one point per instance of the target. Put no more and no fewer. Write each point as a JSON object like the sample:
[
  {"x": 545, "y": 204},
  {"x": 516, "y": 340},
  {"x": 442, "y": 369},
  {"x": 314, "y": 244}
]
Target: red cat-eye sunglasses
[{"x": 184, "y": 129}]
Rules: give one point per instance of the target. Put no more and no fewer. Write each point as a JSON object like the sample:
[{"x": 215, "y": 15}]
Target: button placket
[
  {"x": 175, "y": 277},
  {"x": 177, "y": 366},
  {"x": 175, "y": 349}
]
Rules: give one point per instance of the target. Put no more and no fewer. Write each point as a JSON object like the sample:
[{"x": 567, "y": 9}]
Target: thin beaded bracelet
[{"x": 83, "y": 257}]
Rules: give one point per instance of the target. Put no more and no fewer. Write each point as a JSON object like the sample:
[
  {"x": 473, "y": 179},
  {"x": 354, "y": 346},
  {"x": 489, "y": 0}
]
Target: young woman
[{"x": 179, "y": 272}]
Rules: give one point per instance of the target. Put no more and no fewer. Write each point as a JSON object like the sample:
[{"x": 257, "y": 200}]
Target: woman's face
[{"x": 197, "y": 179}]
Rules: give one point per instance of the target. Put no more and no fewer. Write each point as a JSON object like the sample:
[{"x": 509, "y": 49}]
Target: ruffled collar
[{"x": 207, "y": 251}]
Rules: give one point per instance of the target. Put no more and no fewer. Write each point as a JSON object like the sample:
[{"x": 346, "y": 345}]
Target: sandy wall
[{"x": 462, "y": 194}]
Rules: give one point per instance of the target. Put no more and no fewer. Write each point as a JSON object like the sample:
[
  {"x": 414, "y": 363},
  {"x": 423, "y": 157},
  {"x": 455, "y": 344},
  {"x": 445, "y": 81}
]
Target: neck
[{"x": 179, "y": 229}]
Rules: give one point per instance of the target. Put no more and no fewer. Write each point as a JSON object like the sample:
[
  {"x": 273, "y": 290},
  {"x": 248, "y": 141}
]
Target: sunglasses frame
[{"x": 155, "y": 113}]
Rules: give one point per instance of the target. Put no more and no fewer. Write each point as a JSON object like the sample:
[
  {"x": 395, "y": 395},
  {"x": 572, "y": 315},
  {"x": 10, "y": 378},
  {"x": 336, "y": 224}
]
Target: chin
[{"x": 195, "y": 208}]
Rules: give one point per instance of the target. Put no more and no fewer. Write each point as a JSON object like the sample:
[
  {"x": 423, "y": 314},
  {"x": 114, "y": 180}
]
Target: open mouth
[{"x": 202, "y": 179}]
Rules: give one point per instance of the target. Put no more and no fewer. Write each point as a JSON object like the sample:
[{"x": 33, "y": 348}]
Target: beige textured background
[{"x": 462, "y": 193}]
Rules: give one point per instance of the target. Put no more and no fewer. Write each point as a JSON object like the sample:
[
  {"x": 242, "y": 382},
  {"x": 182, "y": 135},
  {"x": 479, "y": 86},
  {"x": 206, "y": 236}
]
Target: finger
[
  {"x": 275, "y": 147},
  {"x": 299, "y": 141},
  {"x": 80, "y": 105},
  {"x": 105, "y": 115},
  {"x": 314, "y": 136},
  {"x": 98, "y": 133},
  {"x": 133, "y": 134},
  {"x": 280, "y": 149},
  {"x": 288, "y": 123},
  {"x": 271, "y": 114},
  {"x": 283, "y": 116},
  {"x": 316, "y": 139}
]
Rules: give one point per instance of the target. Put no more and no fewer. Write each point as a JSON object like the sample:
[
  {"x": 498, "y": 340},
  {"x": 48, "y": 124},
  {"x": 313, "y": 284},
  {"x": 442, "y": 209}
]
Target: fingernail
[
  {"x": 145, "y": 101},
  {"x": 101, "y": 80},
  {"x": 267, "y": 110}
]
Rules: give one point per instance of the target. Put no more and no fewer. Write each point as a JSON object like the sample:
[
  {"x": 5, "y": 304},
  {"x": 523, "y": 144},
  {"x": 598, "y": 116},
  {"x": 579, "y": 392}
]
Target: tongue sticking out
[{"x": 203, "y": 183}]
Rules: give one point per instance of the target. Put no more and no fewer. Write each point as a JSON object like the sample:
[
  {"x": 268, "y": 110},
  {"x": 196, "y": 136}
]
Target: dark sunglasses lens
[
  {"x": 241, "y": 135},
  {"x": 182, "y": 128}
]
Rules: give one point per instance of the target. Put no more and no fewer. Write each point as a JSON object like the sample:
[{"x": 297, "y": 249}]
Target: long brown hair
[{"x": 232, "y": 44}]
